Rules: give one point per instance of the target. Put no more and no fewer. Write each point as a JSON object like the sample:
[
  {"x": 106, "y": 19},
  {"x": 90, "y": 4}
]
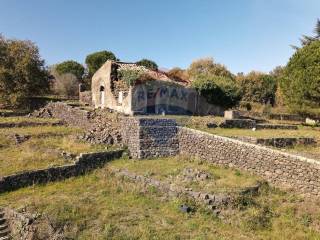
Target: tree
[
  {"x": 217, "y": 90},
  {"x": 148, "y": 64},
  {"x": 306, "y": 40},
  {"x": 95, "y": 60},
  {"x": 278, "y": 73},
  {"x": 22, "y": 72},
  {"x": 206, "y": 66},
  {"x": 301, "y": 81},
  {"x": 178, "y": 74},
  {"x": 257, "y": 87},
  {"x": 72, "y": 67},
  {"x": 65, "y": 84}
]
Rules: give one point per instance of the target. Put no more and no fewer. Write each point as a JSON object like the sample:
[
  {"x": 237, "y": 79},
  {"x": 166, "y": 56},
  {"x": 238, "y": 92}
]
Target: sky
[{"x": 243, "y": 35}]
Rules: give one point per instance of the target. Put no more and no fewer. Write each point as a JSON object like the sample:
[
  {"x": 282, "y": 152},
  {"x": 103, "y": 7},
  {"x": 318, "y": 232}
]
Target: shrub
[
  {"x": 148, "y": 64},
  {"x": 258, "y": 87},
  {"x": 301, "y": 82},
  {"x": 130, "y": 76},
  {"x": 95, "y": 60},
  {"x": 22, "y": 72},
  {"x": 70, "y": 67},
  {"x": 217, "y": 90}
]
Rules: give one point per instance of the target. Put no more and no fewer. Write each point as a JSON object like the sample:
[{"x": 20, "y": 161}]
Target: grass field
[
  {"x": 42, "y": 150},
  {"x": 101, "y": 206},
  {"x": 172, "y": 169}
]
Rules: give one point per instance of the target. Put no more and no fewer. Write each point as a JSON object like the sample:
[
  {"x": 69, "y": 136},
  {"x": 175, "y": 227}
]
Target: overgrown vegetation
[
  {"x": 148, "y": 64},
  {"x": 43, "y": 149},
  {"x": 126, "y": 210},
  {"x": 131, "y": 76},
  {"x": 301, "y": 81}
]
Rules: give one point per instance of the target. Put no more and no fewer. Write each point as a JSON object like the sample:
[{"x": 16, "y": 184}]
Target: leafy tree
[
  {"x": 257, "y": 87},
  {"x": 148, "y": 64},
  {"x": 22, "y": 72},
  {"x": 206, "y": 66},
  {"x": 218, "y": 90},
  {"x": 301, "y": 81},
  {"x": 72, "y": 67},
  {"x": 95, "y": 60}
]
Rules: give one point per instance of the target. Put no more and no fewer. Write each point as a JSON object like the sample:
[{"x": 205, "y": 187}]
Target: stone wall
[
  {"x": 150, "y": 137},
  {"x": 285, "y": 170},
  {"x": 278, "y": 142},
  {"x": 73, "y": 116},
  {"x": 102, "y": 126},
  {"x": 84, "y": 163},
  {"x": 85, "y": 97}
]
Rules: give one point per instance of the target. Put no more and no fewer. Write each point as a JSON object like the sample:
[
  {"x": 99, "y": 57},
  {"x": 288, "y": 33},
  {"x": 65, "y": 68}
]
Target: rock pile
[
  {"x": 19, "y": 138},
  {"x": 191, "y": 175},
  {"x": 104, "y": 129},
  {"x": 214, "y": 202}
]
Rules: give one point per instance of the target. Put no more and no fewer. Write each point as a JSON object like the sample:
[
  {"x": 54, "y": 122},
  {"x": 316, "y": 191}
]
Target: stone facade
[
  {"x": 84, "y": 163},
  {"x": 149, "y": 137},
  {"x": 156, "y": 95},
  {"x": 285, "y": 170}
]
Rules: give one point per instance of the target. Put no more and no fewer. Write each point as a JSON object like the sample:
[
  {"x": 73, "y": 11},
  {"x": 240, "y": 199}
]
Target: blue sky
[{"x": 244, "y": 35}]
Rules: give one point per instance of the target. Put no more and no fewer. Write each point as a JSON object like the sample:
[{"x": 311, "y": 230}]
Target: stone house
[{"x": 155, "y": 94}]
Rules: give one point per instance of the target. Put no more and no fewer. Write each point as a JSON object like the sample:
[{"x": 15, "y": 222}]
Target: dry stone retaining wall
[
  {"x": 150, "y": 137},
  {"x": 286, "y": 170},
  {"x": 84, "y": 163}
]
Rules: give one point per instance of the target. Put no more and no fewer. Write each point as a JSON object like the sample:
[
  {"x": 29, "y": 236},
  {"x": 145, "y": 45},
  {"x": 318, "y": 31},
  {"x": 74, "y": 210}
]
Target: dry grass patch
[
  {"x": 42, "y": 150},
  {"x": 101, "y": 206},
  {"x": 173, "y": 169}
]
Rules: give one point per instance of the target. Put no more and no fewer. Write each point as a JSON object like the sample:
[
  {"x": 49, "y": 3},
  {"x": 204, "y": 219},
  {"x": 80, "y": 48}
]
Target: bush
[
  {"x": 71, "y": 67},
  {"x": 258, "y": 87},
  {"x": 22, "y": 72},
  {"x": 148, "y": 64},
  {"x": 95, "y": 60},
  {"x": 130, "y": 76},
  {"x": 217, "y": 90},
  {"x": 301, "y": 82}
]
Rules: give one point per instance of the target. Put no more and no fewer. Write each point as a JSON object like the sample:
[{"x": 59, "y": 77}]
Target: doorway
[{"x": 102, "y": 96}]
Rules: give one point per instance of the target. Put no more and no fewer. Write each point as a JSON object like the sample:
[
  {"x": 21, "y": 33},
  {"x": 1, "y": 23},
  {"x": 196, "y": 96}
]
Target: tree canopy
[
  {"x": 148, "y": 64},
  {"x": 22, "y": 72},
  {"x": 217, "y": 90},
  {"x": 206, "y": 66},
  {"x": 95, "y": 60},
  {"x": 258, "y": 87},
  {"x": 72, "y": 67},
  {"x": 301, "y": 81}
]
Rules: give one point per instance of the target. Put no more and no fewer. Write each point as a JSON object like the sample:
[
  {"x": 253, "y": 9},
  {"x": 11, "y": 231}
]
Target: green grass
[
  {"x": 221, "y": 179},
  {"x": 42, "y": 150},
  {"x": 101, "y": 206}
]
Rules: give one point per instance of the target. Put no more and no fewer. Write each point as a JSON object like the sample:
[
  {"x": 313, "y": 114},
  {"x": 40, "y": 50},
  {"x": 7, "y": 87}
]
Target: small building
[{"x": 153, "y": 93}]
